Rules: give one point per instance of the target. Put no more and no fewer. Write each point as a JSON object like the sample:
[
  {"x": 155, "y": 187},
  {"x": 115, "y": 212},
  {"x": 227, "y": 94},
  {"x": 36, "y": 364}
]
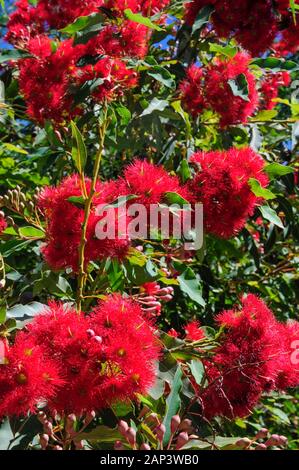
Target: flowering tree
[{"x": 117, "y": 331}]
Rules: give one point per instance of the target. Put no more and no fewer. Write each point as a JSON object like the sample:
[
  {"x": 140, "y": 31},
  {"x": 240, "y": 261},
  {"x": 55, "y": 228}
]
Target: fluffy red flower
[
  {"x": 209, "y": 88},
  {"x": 288, "y": 42},
  {"x": 147, "y": 181},
  {"x": 270, "y": 88},
  {"x": 64, "y": 226},
  {"x": 27, "y": 378},
  {"x": 127, "y": 39},
  {"x": 130, "y": 349},
  {"x": 254, "y": 23},
  {"x": 45, "y": 80},
  {"x": 232, "y": 109},
  {"x": 193, "y": 331},
  {"x": 3, "y": 223},
  {"x": 245, "y": 365},
  {"x": 149, "y": 184},
  {"x": 221, "y": 185},
  {"x": 192, "y": 90},
  {"x": 75, "y": 363}
]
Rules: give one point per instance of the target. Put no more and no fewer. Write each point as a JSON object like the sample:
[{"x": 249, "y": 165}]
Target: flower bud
[
  {"x": 118, "y": 445},
  {"x": 70, "y": 423},
  {"x": 57, "y": 448},
  {"x": 174, "y": 424},
  {"x": 263, "y": 432},
  {"x": 261, "y": 447},
  {"x": 243, "y": 443},
  {"x": 283, "y": 440},
  {"x": 131, "y": 436},
  {"x": 44, "y": 441},
  {"x": 186, "y": 425},
  {"x": 48, "y": 428},
  {"x": 182, "y": 439},
  {"x": 123, "y": 427},
  {"x": 160, "y": 432},
  {"x": 79, "y": 445},
  {"x": 145, "y": 446},
  {"x": 98, "y": 339},
  {"x": 90, "y": 332},
  {"x": 273, "y": 440}
]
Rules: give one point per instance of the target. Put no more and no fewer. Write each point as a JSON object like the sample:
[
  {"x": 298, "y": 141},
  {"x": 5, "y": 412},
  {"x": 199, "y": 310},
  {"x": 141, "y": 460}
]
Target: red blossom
[
  {"x": 3, "y": 223},
  {"x": 254, "y": 357},
  {"x": 253, "y": 23},
  {"x": 209, "y": 88},
  {"x": 270, "y": 88},
  {"x": 221, "y": 185},
  {"x": 193, "y": 331},
  {"x": 64, "y": 227}
]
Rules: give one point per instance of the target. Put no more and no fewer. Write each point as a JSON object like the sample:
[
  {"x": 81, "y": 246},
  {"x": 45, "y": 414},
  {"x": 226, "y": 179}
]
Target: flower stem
[{"x": 87, "y": 209}]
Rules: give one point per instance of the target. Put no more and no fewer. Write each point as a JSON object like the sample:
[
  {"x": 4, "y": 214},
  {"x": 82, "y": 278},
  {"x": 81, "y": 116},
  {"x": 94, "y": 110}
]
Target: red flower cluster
[
  {"x": 209, "y": 88},
  {"x": 64, "y": 227},
  {"x": 255, "y": 357},
  {"x": 270, "y": 87},
  {"x": 3, "y": 223},
  {"x": 149, "y": 184},
  {"x": 288, "y": 39},
  {"x": 147, "y": 181},
  {"x": 75, "y": 363},
  {"x": 55, "y": 65},
  {"x": 28, "y": 20},
  {"x": 193, "y": 332},
  {"x": 254, "y": 23},
  {"x": 53, "y": 68},
  {"x": 221, "y": 185}
]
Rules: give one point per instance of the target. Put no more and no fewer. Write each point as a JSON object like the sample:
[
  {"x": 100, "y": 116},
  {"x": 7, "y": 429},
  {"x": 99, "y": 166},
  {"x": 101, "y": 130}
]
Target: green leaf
[
  {"x": 78, "y": 201},
  {"x": 31, "y": 232},
  {"x": 173, "y": 402},
  {"x": 280, "y": 414},
  {"x": 202, "y": 18},
  {"x": 259, "y": 191},
  {"x": 184, "y": 171},
  {"x": 138, "y": 18},
  {"x": 189, "y": 284},
  {"x": 162, "y": 75},
  {"x": 155, "y": 105},
  {"x": 2, "y": 314},
  {"x": 22, "y": 312},
  {"x": 294, "y": 6},
  {"x": 82, "y": 23},
  {"x": 79, "y": 153},
  {"x": 13, "y": 246},
  {"x": 13, "y": 54},
  {"x": 227, "y": 51},
  {"x": 124, "y": 113},
  {"x": 6, "y": 435},
  {"x": 266, "y": 115},
  {"x": 275, "y": 64},
  {"x": 276, "y": 169},
  {"x": 270, "y": 214},
  {"x": 102, "y": 434},
  {"x": 14, "y": 148},
  {"x": 175, "y": 198},
  {"x": 197, "y": 370},
  {"x": 239, "y": 86}
]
